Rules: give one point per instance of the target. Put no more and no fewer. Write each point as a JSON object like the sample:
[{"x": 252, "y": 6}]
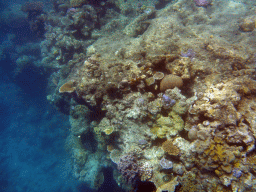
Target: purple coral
[
  {"x": 72, "y": 10},
  {"x": 142, "y": 142},
  {"x": 165, "y": 164},
  {"x": 237, "y": 173},
  {"x": 190, "y": 53},
  {"x": 202, "y": 3},
  {"x": 128, "y": 167},
  {"x": 168, "y": 102},
  {"x": 166, "y": 99},
  {"x": 141, "y": 101}
]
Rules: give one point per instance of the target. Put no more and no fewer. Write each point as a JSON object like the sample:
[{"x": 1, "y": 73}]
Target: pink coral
[{"x": 202, "y": 3}]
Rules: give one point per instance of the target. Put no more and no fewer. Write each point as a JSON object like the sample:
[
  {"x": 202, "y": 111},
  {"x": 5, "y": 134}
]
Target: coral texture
[
  {"x": 171, "y": 81},
  {"x": 129, "y": 168},
  {"x": 170, "y": 148}
]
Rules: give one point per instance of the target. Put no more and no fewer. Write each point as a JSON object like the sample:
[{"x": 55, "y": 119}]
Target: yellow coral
[
  {"x": 219, "y": 153},
  {"x": 219, "y": 156},
  {"x": 108, "y": 130},
  {"x": 161, "y": 133},
  {"x": 168, "y": 125},
  {"x": 154, "y": 130},
  {"x": 177, "y": 121}
]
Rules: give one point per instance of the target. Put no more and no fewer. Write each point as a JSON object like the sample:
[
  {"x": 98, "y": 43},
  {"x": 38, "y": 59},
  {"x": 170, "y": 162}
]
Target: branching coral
[
  {"x": 170, "y": 148},
  {"x": 129, "y": 168}
]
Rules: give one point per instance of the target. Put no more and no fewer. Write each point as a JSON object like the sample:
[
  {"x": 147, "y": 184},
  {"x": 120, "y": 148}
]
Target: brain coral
[{"x": 170, "y": 81}]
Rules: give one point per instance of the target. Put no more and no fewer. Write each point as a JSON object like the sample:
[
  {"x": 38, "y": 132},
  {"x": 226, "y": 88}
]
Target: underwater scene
[{"x": 128, "y": 96}]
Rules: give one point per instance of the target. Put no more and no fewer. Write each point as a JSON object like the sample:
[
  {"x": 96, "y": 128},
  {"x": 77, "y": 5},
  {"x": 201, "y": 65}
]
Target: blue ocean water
[
  {"x": 32, "y": 137},
  {"x": 32, "y": 132}
]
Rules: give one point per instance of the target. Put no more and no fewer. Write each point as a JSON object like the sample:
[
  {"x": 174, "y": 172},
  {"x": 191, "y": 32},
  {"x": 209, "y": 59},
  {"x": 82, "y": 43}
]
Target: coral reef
[
  {"x": 162, "y": 92},
  {"x": 170, "y": 148},
  {"x": 77, "y": 119},
  {"x": 129, "y": 168},
  {"x": 170, "y": 186},
  {"x": 35, "y": 16}
]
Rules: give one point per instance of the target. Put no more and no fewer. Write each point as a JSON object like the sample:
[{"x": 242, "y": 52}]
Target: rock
[{"x": 247, "y": 24}]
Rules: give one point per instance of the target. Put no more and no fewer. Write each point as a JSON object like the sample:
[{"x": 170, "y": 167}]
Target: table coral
[{"x": 68, "y": 87}]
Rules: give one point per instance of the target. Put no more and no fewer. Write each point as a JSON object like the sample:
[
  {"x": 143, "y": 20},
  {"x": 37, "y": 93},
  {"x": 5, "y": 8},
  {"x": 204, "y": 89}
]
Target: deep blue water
[
  {"x": 33, "y": 157},
  {"x": 32, "y": 132}
]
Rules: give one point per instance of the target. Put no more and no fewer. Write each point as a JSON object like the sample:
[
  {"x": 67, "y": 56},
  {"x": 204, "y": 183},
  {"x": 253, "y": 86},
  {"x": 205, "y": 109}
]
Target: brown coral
[
  {"x": 68, "y": 87},
  {"x": 171, "y": 81},
  {"x": 170, "y": 148},
  {"x": 218, "y": 156}
]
